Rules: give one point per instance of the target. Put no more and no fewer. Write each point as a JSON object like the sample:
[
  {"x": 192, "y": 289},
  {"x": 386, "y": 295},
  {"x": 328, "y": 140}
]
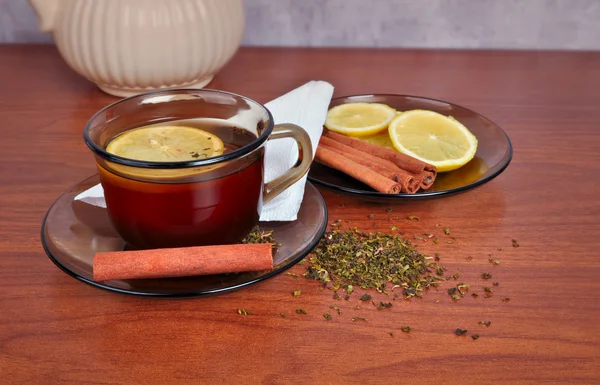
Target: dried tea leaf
[
  {"x": 383, "y": 305},
  {"x": 365, "y": 297},
  {"x": 337, "y": 309}
]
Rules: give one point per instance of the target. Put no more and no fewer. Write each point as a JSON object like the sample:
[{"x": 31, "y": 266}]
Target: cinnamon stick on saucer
[
  {"x": 182, "y": 262},
  {"x": 408, "y": 183},
  {"x": 425, "y": 172},
  {"x": 362, "y": 173}
]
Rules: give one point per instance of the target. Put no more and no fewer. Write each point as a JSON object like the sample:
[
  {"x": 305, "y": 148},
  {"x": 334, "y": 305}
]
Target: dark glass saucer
[
  {"x": 73, "y": 231},
  {"x": 494, "y": 151}
]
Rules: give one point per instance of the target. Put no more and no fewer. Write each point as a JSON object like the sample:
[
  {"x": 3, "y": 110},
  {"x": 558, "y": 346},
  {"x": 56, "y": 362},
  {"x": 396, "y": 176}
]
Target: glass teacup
[{"x": 202, "y": 200}]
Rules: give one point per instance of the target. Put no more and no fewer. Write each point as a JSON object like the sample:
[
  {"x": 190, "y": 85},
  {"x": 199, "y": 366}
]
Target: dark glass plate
[
  {"x": 494, "y": 150},
  {"x": 73, "y": 231}
]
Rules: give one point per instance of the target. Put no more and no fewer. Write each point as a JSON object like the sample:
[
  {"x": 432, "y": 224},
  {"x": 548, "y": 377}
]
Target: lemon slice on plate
[
  {"x": 359, "y": 119},
  {"x": 166, "y": 144},
  {"x": 433, "y": 138}
]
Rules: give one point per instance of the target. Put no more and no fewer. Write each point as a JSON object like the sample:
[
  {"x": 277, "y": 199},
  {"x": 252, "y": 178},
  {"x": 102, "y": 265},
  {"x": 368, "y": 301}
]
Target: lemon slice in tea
[
  {"x": 433, "y": 138},
  {"x": 166, "y": 144},
  {"x": 359, "y": 119}
]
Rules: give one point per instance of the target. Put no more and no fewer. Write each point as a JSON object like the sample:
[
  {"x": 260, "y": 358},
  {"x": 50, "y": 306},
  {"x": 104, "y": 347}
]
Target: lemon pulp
[
  {"x": 433, "y": 138},
  {"x": 359, "y": 119},
  {"x": 166, "y": 144}
]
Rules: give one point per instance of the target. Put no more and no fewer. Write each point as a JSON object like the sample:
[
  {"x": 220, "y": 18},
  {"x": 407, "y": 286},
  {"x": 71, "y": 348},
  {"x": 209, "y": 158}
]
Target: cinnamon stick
[
  {"x": 364, "y": 174},
  {"x": 182, "y": 262},
  {"x": 426, "y": 178},
  {"x": 408, "y": 183},
  {"x": 332, "y": 143},
  {"x": 401, "y": 160}
]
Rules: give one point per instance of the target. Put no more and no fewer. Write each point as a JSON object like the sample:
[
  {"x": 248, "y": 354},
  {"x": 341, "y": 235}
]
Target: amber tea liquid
[{"x": 217, "y": 209}]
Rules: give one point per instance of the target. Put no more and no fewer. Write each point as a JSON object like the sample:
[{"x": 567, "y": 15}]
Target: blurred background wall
[{"x": 511, "y": 24}]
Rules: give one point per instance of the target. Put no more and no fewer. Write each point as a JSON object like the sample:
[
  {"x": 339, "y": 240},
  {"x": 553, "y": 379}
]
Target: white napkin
[{"x": 305, "y": 106}]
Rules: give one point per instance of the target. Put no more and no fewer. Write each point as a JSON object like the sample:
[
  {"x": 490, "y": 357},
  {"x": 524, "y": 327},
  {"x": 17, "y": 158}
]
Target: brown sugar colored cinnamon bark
[
  {"x": 401, "y": 160},
  {"x": 409, "y": 184},
  {"x": 357, "y": 171}
]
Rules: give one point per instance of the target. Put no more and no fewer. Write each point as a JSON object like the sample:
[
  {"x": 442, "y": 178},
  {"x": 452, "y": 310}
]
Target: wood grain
[{"x": 54, "y": 329}]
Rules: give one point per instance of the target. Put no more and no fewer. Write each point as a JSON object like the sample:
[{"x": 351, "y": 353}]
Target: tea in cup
[{"x": 186, "y": 167}]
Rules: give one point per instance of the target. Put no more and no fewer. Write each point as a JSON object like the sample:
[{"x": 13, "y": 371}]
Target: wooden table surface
[{"x": 55, "y": 329}]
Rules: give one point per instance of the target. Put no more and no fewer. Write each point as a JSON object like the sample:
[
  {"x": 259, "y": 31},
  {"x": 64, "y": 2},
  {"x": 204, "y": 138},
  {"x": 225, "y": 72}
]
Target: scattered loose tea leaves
[
  {"x": 496, "y": 283},
  {"x": 460, "y": 332},
  {"x": 301, "y": 311},
  {"x": 372, "y": 261},
  {"x": 389, "y": 210},
  {"x": 365, "y": 297},
  {"x": 293, "y": 275},
  {"x": 494, "y": 261},
  {"x": 515, "y": 243},
  {"x": 406, "y": 329},
  {"x": 413, "y": 218},
  {"x": 391, "y": 334},
  {"x": 371, "y": 216},
  {"x": 447, "y": 230},
  {"x": 475, "y": 337},
  {"x": 296, "y": 293},
  {"x": 393, "y": 228},
  {"x": 327, "y": 316},
  {"x": 486, "y": 323},
  {"x": 259, "y": 236},
  {"x": 359, "y": 319},
  {"x": 244, "y": 312},
  {"x": 282, "y": 315},
  {"x": 487, "y": 289},
  {"x": 486, "y": 276},
  {"x": 505, "y": 299}
]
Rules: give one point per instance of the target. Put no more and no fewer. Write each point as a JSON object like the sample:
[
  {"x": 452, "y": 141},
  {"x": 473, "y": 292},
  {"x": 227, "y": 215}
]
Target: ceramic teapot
[{"x": 129, "y": 47}]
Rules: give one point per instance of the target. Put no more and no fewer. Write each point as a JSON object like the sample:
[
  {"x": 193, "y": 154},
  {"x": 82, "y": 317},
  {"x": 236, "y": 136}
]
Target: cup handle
[{"x": 288, "y": 130}]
